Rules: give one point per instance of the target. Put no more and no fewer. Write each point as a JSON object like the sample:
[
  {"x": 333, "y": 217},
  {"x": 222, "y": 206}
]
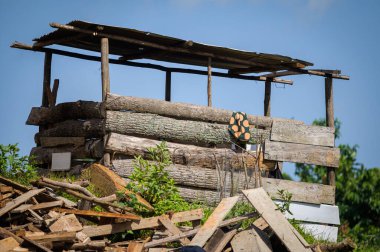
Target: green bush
[{"x": 13, "y": 166}]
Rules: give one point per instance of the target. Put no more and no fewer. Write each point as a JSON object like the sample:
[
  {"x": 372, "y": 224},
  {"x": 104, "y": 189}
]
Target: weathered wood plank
[
  {"x": 211, "y": 179},
  {"x": 173, "y": 229},
  {"x": 68, "y": 223},
  {"x": 99, "y": 214},
  {"x": 212, "y": 223},
  {"x": 302, "y": 134},
  {"x": 145, "y": 223},
  {"x": 182, "y": 110},
  {"x": 185, "y": 154},
  {"x": 66, "y": 111},
  {"x": 59, "y": 141},
  {"x": 302, "y": 153},
  {"x": 251, "y": 240},
  {"x": 19, "y": 200},
  {"x": 54, "y": 236},
  {"x": 219, "y": 240},
  {"x": 180, "y": 131},
  {"x": 265, "y": 206},
  {"x": 8, "y": 244}
]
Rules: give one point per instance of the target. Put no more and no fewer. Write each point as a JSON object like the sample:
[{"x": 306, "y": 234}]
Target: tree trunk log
[
  {"x": 182, "y": 110},
  {"x": 66, "y": 111},
  {"x": 93, "y": 128},
  {"x": 185, "y": 154},
  {"x": 204, "y": 179},
  {"x": 181, "y": 131}
]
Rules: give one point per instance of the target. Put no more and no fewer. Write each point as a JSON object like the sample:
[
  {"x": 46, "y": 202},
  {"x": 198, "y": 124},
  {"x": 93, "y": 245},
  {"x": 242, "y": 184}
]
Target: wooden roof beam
[
  {"x": 161, "y": 47},
  {"x": 148, "y": 65},
  {"x": 58, "y": 41},
  {"x": 319, "y": 72}
]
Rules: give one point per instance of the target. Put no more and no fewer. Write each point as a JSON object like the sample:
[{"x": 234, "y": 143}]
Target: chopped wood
[
  {"x": 19, "y": 200},
  {"x": 145, "y": 223},
  {"x": 135, "y": 247},
  {"x": 14, "y": 184},
  {"x": 276, "y": 220},
  {"x": 93, "y": 245},
  {"x": 190, "y": 177},
  {"x": 108, "y": 182},
  {"x": 99, "y": 214},
  {"x": 5, "y": 189},
  {"x": 8, "y": 244},
  {"x": 182, "y": 110},
  {"x": 217, "y": 216},
  {"x": 67, "y": 223},
  {"x": 251, "y": 240},
  {"x": 185, "y": 154},
  {"x": 302, "y": 153},
  {"x": 169, "y": 129},
  {"x": 65, "y": 111},
  {"x": 173, "y": 229}
]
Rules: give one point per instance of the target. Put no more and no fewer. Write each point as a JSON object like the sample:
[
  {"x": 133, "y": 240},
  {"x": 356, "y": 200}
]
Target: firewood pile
[{"x": 38, "y": 219}]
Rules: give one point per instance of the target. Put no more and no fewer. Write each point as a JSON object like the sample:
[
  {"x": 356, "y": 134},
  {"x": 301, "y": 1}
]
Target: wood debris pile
[{"x": 37, "y": 219}]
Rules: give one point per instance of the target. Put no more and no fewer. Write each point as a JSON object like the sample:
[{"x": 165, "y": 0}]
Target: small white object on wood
[{"x": 61, "y": 161}]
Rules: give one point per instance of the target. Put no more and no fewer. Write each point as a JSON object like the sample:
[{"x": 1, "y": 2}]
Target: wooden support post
[
  {"x": 268, "y": 87},
  {"x": 329, "y": 122},
  {"x": 168, "y": 86},
  {"x": 209, "y": 102},
  {"x": 105, "y": 67},
  {"x": 47, "y": 79}
]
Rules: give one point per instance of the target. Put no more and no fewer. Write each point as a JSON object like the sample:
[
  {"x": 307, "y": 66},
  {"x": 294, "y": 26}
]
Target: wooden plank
[
  {"x": 54, "y": 236},
  {"x": 135, "y": 247},
  {"x": 97, "y": 213},
  {"x": 145, "y": 223},
  {"x": 325, "y": 214},
  {"x": 302, "y": 153},
  {"x": 303, "y": 134},
  {"x": 68, "y": 223},
  {"x": 19, "y": 200},
  {"x": 278, "y": 223},
  {"x": 220, "y": 212},
  {"x": 8, "y": 244},
  {"x": 5, "y": 189},
  {"x": 196, "y": 182},
  {"x": 251, "y": 240},
  {"x": 59, "y": 141},
  {"x": 219, "y": 240},
  {"x": 165, "y": 221}
]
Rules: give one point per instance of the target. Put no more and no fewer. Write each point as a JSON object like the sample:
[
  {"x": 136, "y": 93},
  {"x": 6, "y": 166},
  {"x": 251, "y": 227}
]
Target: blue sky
[{"x": 333, "y": 34}]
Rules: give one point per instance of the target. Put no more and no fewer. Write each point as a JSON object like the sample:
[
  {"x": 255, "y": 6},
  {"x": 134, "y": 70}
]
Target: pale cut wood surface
[
  {"x": 153, "y": 222},
  {"x": 211, "y": 179},
  {"x": 169, "y": 129},
  {"x": 276, "y": 220},
  {"x": 212, "y": 223},
  {"x": 67, "y": 223},
  {"x": 8, "y": 244},
  {"x": 182, "y": 110},
  {"x": 303, "y": 134},
  {"x": 251, "y": 240},
  {"x": 302, "y": 153},
  {"x": 185, "y": 154},
  {"x": 19, "y": 200}
]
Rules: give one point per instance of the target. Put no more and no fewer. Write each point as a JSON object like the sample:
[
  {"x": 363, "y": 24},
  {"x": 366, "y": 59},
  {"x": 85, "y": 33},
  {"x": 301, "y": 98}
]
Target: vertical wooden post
[
  {"x": 268, "y": 88},
  {"x": 168, "y": 86},
  {"x": 329, "y": 122},
  {"x": 47, "y": 79},
  {"x": 209, "y": 102},
  {"x": 104, "y": 50}
]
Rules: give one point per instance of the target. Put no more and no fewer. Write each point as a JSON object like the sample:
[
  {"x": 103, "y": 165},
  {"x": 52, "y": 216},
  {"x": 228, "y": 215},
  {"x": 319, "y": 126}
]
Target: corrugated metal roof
[{"x": 191, "y": 53}]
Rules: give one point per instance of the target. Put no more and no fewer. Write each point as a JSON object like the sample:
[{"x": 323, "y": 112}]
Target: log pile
[{"x": 37, "y": 219}]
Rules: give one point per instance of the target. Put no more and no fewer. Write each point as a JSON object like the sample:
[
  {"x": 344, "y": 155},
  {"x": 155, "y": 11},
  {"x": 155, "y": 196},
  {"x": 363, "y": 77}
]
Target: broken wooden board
[
  {"x": 153, "y": 222},
  {"x": 19, "y": 200},
  {"x": 251, "y": 240},
  {"x": 108, "y": 182},
  {"x": 98, "y": 214},
  {"x": 219, "y": 240},
  {"x": 8, "y": 244},
  {"x": 212, "y": 223},
  {"x": 66, "y": 223},
  {"x": 302, "y": 134},
  {"x": 276, "y": 220},
  {"x": 302, "y": 153},
  {"x": 173, "y": 229}
]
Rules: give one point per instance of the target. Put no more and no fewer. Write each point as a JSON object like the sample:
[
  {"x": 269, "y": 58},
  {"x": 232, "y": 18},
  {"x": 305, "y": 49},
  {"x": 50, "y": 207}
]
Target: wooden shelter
[{"x": 120, "y": 127}]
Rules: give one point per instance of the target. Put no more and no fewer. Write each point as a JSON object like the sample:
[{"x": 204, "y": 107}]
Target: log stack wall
[{"x": 204, "y": 165}]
